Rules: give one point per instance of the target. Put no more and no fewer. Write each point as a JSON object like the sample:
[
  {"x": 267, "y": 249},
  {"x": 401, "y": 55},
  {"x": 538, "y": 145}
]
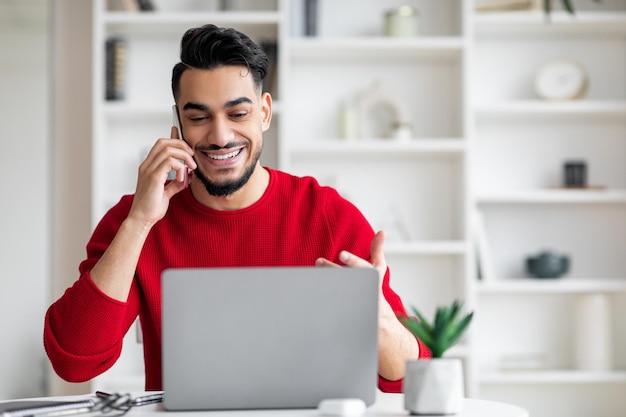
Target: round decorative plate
[{"x": 561, "y": 79}]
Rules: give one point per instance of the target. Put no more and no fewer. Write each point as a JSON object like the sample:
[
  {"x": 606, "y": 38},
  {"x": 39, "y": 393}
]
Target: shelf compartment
[
  {"x": 547, "y": 328},
  {"x": 576, "y": 230},
  {"x": 530, "y": 286},
  {"x": 528, "y": 155},
  {"x": 404, "y": 214},
  {"x": 443, "y": 276},
  {"x": 559, "y": 399},
  {"x": 554, "y": 377},
  {"x": 366, "y": 18},
  {"x": 505, "y": 68},
  {"x": 432, "y": 105}
]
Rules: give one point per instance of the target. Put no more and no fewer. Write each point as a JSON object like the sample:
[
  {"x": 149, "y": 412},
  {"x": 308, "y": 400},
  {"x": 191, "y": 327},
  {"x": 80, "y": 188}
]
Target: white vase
[
  {"x": 434, "y": 386},
  {"x": 593, "y": 333}
]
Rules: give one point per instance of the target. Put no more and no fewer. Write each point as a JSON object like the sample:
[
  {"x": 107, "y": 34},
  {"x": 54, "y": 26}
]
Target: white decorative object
[
  {"x": 561, "y": 79},
  {"x": 403, "y": 131},
  {"x": 349, "y": 120},
  {"x": 402, "y": 21},
  {"x": 593, "y": 332},
  {"x": 434, "y": 386},
  {"x": 378, "y": 113}
]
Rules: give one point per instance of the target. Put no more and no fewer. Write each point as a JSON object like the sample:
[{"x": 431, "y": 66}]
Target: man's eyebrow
[
  {"x": 195, "y": 106},
  {"x": 237, "y": 101},
  {"x": 204, "y": 107}
]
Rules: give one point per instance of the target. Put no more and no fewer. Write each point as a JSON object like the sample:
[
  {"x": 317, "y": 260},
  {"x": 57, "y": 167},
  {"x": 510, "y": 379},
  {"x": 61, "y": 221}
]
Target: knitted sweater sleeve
[
  {"x": 358, "y": 240},
  {"x": 84, "y": 328}
]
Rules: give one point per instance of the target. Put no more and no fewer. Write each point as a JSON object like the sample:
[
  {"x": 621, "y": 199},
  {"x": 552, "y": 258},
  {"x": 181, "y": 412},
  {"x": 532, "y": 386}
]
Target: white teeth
[{"x": 227, "y": 156}]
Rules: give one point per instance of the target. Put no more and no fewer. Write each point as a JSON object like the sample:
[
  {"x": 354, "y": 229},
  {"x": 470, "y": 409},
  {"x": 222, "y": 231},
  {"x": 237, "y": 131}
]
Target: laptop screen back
[{"x": 244, "y": 338}]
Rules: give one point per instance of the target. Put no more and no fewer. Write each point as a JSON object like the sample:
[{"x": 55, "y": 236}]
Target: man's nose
[{"x": 221, "y": 132}]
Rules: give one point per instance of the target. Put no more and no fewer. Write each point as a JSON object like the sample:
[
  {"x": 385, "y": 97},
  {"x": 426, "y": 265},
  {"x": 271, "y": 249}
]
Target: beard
[{"x": 230, "y": 187}]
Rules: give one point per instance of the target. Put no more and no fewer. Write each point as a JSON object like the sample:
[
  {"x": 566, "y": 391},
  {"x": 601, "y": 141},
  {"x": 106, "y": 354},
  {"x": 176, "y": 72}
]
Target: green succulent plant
[{"x": 445, "y": 331}]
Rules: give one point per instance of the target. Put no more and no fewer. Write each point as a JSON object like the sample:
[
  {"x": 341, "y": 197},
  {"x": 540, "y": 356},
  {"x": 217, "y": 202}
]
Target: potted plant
[
  {"x": 567, "y": 5},
  {"x": 435, "y": 386}
]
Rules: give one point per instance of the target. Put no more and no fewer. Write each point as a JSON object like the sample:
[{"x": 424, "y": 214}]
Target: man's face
[{"x": 223, "y": 118}]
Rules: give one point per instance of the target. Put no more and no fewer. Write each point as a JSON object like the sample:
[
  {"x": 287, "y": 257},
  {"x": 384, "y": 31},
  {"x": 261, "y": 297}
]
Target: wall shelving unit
[
  {"x": 520, "y": 145},
  {"x": 414, "y": 188},
  {"x": 124, "y": 130},
  {"x": 480, "y": 140}
]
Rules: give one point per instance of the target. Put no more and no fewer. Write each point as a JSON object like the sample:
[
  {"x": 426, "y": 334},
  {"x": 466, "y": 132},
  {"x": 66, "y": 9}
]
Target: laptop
[{"x": 268, "y": 338}]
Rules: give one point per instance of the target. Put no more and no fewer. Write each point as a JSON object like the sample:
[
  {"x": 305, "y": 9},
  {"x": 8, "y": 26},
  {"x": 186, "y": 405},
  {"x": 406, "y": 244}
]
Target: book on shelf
[
  {"x": 122, "y": 6},
  {"x": 271, "y": 50},
  {"x": 45, "y": 407},
  {"x": 115, "y": 63},
  {"x": 130, "y": 5},
  {"x": 145, "y": 5},
  {"x": 483, "y": 251},
  {"x": 310, "y": 17},
  {"x": 296, "y": 18}
]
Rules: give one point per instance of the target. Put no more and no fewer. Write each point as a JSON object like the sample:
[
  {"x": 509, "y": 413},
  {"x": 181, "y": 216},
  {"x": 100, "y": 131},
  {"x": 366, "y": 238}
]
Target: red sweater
[{"x": 295, "y": 222}]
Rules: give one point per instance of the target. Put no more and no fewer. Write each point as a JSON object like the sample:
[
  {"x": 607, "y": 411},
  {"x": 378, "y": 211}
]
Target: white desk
[{"x": 387, "y": 405}]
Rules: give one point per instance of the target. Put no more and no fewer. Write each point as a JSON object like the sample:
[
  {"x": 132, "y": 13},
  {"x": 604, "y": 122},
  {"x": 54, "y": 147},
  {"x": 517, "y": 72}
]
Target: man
[{"x": 234, "y": 213}]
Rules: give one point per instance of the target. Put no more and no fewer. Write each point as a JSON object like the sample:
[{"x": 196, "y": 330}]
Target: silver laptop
[{"x": 259, "y": 338}]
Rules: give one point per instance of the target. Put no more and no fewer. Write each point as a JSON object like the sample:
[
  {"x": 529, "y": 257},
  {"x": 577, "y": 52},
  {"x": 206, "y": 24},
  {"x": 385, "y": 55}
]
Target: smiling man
[
  {"x": 223, "y": 120},
  {"x": 234, "y": 213}
]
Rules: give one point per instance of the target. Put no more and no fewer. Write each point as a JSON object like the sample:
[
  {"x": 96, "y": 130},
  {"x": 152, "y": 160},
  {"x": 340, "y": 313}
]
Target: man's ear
[{"x": 266, "y": 111}]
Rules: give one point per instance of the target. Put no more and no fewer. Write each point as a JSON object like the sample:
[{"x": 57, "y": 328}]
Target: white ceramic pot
[{"x": 434, "y": 386}]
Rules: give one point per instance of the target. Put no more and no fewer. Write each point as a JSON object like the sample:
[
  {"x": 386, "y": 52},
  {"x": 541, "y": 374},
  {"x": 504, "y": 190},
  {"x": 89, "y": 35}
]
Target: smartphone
[{"x": 176, "y": 122}]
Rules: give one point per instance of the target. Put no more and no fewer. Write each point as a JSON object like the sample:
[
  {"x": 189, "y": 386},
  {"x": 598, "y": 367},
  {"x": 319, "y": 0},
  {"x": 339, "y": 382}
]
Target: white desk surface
[{"x": 386, "y": 405}]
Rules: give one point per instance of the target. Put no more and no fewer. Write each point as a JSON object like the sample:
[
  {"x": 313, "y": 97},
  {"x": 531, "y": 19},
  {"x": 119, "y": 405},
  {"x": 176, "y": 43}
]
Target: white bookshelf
[
  {"x": 421, "y": 181},
  {"x": 520, "y": 145},
  {"x": 124, "y": 130}
]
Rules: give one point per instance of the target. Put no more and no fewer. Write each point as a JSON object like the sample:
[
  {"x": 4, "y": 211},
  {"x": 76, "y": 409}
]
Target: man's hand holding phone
[{"x": 153, "y": 189}]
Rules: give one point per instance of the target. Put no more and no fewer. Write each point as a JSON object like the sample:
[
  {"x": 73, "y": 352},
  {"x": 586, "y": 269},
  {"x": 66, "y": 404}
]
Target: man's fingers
[
  {"x": 352, "y": 260},
  {"x": 324, "y": 262},
  {"x": 376, "y": 252},
  {"x": 376, "y": 249}
]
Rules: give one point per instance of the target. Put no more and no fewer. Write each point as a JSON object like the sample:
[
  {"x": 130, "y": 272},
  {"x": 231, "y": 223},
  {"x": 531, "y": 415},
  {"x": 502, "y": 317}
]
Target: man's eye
[
  {"x": 238, "y": 115},
  {"x": 197, "y": 119}
]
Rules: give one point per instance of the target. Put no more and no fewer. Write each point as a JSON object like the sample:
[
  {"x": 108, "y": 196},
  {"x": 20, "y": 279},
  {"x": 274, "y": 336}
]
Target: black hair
[{"x": 209, "y": 47}]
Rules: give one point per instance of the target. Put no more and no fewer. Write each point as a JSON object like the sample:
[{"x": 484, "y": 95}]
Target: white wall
[
  {"x": 26, "y": 198},
  {"x": 72, "y": 151},
  {"x": 45, "y": 136}
]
